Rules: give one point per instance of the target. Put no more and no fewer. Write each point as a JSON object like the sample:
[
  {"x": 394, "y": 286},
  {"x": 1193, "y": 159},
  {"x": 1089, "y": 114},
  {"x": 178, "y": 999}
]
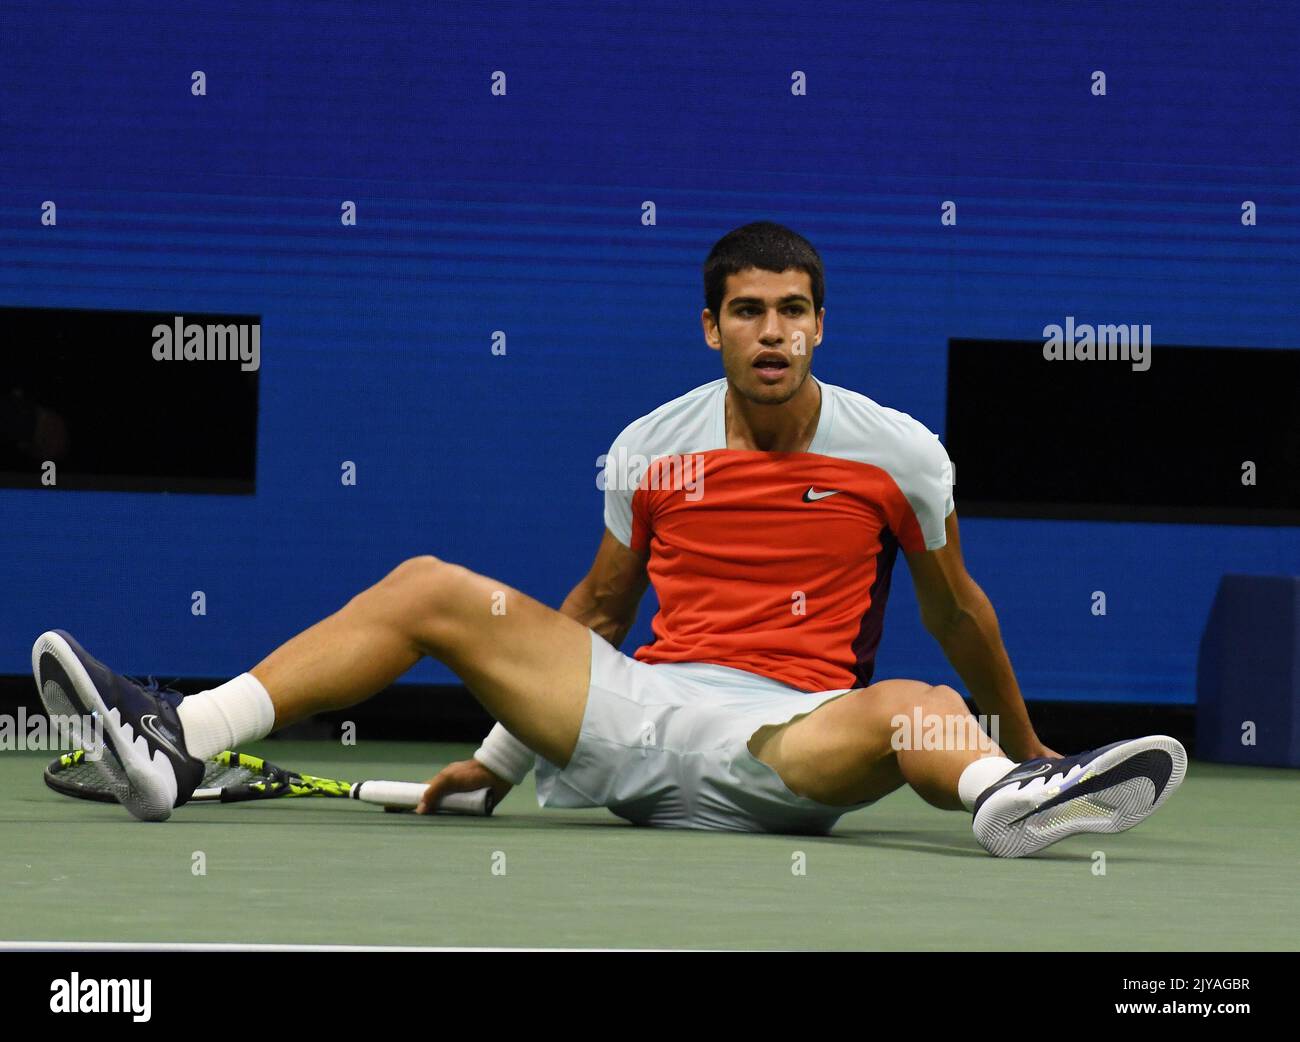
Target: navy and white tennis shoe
[
  {"x": 144, "y": 759},
  {"x": 1104, "y": 790}
]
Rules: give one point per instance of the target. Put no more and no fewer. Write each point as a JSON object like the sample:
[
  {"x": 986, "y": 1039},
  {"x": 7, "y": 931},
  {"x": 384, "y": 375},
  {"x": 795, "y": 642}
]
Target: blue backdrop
[{"x": 522, "y": 213}]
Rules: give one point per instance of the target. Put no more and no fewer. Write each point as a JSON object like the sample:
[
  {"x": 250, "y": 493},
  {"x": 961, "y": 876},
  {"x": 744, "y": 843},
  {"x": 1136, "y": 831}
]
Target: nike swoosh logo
[
  {"x": 1155, "y": 765},
  {"x": 812, "y": 495},
  {"x": 1040, "y": 771},
  {"x": 148, "y": 725}
]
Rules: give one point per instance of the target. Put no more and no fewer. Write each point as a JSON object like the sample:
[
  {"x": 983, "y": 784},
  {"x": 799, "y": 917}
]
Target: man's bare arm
[
  {"x": 607, "y": 598},
  {"x": 959, "y": 615}
]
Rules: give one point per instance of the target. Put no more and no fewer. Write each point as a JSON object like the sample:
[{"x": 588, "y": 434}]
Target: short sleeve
[
  {"x": 924, "y": 476},
  {"x": 619, "y": 480},
  {"x": 931, "y": 495}
]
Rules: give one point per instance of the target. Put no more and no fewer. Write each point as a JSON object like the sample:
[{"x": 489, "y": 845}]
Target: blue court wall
[{"x": 522, "y": 213}]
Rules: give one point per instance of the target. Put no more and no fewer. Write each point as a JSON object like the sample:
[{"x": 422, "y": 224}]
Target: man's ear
[{"x": 711, "y": 336}]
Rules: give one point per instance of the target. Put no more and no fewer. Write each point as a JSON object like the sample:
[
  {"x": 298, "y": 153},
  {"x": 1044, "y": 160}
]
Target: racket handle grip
[{"x": 407, "y": 795}]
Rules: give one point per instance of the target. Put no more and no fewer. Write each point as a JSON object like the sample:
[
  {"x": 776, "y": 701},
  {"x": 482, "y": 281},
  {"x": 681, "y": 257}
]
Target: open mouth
[{"x": 771, "y": 364}]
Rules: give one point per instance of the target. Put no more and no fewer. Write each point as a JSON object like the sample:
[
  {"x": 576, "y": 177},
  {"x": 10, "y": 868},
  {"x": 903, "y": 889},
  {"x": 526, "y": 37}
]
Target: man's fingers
[
  {"x": 451, "y": 778},
  {"x": 465, "y": 776},
  {"x": 437, "y": 787}
]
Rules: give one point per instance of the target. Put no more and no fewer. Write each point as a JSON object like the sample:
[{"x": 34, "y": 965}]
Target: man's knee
[
  {"x": 423, "y": 592},
  {"x": 420, "y": 570},
  {"x": 938, "y": 719},
  {"x": 882, "y": 703}
]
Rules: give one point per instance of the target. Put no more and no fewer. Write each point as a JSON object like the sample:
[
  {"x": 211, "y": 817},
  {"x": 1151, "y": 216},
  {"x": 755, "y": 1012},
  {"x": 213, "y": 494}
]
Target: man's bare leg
[
  {"x": 841, "y": 753},
  {"x": 527, "y": 664}
]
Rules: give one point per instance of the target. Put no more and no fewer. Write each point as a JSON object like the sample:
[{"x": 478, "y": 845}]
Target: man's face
[{"x": 766, "y": 331}]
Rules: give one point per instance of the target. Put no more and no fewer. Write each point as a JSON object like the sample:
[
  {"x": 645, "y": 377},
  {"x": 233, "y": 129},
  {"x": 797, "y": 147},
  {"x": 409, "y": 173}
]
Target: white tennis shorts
[{"x": 666, "y": 745}]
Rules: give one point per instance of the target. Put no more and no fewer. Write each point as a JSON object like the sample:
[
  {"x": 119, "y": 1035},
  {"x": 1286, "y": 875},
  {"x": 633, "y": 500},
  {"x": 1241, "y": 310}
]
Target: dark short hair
[{"x": 765, "y": 245}]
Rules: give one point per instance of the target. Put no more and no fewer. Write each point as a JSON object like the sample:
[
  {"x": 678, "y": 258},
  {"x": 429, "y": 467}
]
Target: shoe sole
[
  {"x": 144, "y": 785},
  {"x": 1010, "y": 828}
]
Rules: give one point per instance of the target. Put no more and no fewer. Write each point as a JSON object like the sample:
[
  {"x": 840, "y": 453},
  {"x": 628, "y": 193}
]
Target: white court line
[{"x": 199, "y": 946}]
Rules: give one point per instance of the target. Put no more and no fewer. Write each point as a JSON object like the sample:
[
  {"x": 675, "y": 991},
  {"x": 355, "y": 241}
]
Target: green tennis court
[{"x": 1216, "y": 869}]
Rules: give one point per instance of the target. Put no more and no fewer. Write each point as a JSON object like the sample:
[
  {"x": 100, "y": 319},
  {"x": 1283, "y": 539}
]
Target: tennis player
[{"x": 767, "y": 508}]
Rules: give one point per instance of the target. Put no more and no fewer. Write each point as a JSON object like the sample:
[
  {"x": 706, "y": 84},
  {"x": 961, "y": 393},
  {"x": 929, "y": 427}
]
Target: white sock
[
  {"x": 226, "y": 717},
  {"x": 978, "y": 776}
]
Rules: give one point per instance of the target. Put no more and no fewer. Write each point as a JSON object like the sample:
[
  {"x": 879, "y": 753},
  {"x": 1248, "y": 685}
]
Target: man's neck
[{"x": 788, "y": 427}]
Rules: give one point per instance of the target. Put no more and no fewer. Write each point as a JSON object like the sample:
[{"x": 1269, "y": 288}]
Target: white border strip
[{"x": 199, "y": 946}]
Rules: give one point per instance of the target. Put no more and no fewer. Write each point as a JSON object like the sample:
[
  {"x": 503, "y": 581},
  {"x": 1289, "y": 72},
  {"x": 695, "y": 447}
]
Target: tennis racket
[{"x": 238, "y": 777}]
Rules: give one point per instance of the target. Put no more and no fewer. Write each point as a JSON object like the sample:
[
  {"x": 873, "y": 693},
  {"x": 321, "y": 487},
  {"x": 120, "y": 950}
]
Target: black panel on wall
[
  {"x": 1203, "y": 434},
  {"x": 87, "y": 391}
]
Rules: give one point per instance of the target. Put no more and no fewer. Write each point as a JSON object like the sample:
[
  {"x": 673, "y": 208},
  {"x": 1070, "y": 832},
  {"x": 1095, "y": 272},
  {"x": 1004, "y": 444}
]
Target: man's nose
[{"x": 771, "y": 327}]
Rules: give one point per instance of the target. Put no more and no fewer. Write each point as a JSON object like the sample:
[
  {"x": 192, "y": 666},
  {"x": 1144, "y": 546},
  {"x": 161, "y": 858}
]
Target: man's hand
[{"x": 463, "y": 776}]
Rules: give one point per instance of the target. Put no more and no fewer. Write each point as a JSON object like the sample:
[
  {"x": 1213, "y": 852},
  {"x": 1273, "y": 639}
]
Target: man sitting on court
[{"x": 767, "y": 508}]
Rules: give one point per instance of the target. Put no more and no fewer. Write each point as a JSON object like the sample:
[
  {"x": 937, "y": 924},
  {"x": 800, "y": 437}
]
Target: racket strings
[
  {"x": 221, "y": 776},
  {"x": 231, "y": 777},
  {"x": 78, "y": 771}
]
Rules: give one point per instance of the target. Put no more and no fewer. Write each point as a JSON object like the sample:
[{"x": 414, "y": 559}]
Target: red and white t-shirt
[{"x": 775, "y": 562}]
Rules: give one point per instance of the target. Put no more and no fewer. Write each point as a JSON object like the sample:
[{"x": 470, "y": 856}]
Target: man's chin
[{"x": 760, "y": 392}]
